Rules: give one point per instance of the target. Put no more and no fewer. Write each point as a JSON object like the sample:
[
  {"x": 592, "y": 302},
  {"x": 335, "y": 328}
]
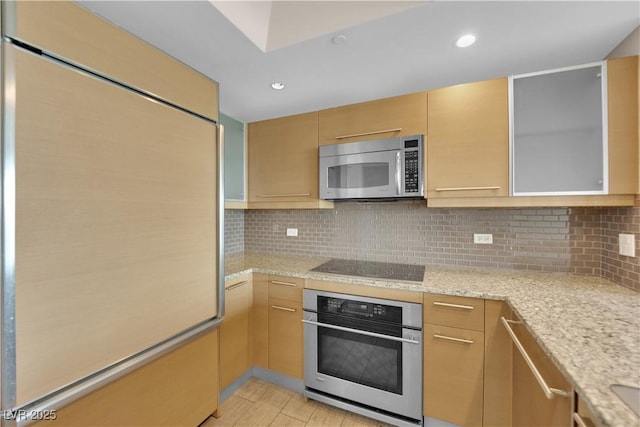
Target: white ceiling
[{"x": 404, "y": 52}]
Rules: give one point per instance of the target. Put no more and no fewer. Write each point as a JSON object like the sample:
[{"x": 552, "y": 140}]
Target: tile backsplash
[
  {"x": 573, "y": 240},
  {"x": 233, "y": 231}
]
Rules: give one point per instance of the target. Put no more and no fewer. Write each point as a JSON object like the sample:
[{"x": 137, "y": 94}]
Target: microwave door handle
[{"x": 398, "y": 174}]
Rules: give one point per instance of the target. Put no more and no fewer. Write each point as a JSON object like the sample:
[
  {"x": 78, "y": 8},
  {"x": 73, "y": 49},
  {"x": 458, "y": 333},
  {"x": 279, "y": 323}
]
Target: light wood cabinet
[
  {"x": 285, "y": 337},
  {"x": 453, "y": 359},
  {"x": 182, "y": 383},
  {"x": 260, "y": 321},
  {"x": 285, "y": 326},
  {"x": 468, "y": 140},
  {"x": 531, "y": 407},
  {"x": 498, "y": 366},
  {"x": 382, "y": 118},
  {"x": 235, "y": 332},
  {"x": 622, "y": 92},
  {"x": 283, "y": 163},
  {"x": 453, "y": 374},
  {"x": 455, "y": 311}
]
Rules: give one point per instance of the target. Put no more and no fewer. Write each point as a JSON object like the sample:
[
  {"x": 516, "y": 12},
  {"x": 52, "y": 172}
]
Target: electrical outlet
[
  {"x": 483, "y": 239},
  {"x": 293, "y": 232},
  {"x": 627, "y": 243}
]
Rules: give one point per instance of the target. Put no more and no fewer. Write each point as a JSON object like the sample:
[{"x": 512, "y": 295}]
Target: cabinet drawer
[
  {"x": 287, "y": 288},
  {"x": 285, "y": 337},
  {"x": 453, "y": 374},
  {"x": 458, "y": 312}
]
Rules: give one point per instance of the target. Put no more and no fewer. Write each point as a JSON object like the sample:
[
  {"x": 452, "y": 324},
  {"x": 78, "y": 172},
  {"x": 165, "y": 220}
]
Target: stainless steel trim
[
  {"x": 579, "y": 421},
  {"x": 444, "y": 337},
  {"x": 277, "y": 307},
  {"x": 467, "y": 188},
  {"x": 285, "y": 195},
  {"x": 220, "y": 220},
  {"x": 549, "y": 392},
  {"x": 359, "y": 331},
  {"x": 446, "y": 304},
  {"x": 8, "y": 293},
  {"x": 376, "y": 415},
  {"x": 236, "y": 285},
  {"x": 398, "y": 174},
  {"x": 85, "y": 386},
  {"x": 375, "y": 132},
  {"x": 277, "y": 282}
]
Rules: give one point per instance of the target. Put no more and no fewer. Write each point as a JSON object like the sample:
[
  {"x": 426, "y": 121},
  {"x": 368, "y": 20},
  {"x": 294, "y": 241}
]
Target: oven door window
[{"x": 370, "y": 361}]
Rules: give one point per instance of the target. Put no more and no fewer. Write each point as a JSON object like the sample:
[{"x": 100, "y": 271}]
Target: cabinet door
[
  {"x": 283, "y": 159},
  {"x": 531, "y": 408},
  {"x": 260, "y": 321},
  {"x": 622, "y": 95},
  {"x": 382, "y": 118},
  {"x": 235, "y": 345},
  {"x": 235, "y": 164},
  {"x": 468, "y": 140},
  {"x": 285, "y": 337},
  {"x": 453, "y": 374},
  {"x": 558, "y": 142}
]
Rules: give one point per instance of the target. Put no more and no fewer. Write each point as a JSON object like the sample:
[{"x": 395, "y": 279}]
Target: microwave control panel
[{"x": 411, "y": 167}]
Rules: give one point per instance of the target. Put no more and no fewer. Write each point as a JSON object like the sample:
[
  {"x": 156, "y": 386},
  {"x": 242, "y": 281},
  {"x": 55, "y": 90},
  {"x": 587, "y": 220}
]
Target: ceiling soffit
[{"x": 271, "y": 25}]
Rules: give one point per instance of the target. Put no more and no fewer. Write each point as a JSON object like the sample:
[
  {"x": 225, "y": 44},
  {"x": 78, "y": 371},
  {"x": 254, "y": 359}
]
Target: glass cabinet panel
[
  {"x": 558, "y": 142},
  {"x": 234, "y": 158}
]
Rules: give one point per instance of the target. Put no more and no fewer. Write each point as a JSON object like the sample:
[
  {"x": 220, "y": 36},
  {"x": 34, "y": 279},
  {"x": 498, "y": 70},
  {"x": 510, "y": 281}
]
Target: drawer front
[
  {"x": 286, "y": 338},
  {"x": 453, "y": 374},
  {"x": 457, "y": 312},
  {"x": 287, "y": 288}
]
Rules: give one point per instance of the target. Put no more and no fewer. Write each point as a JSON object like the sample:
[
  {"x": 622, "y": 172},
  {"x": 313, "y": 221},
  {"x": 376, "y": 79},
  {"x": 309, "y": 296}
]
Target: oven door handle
[{"x": 361, "y": 332}]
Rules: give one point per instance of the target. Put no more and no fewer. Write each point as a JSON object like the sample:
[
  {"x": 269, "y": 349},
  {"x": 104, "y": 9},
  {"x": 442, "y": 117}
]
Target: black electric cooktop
[{"x": 377, "y": 270}]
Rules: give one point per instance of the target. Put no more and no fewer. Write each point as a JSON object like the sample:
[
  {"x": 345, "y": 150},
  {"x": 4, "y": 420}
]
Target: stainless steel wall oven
[{"x": 365, "y": 355}]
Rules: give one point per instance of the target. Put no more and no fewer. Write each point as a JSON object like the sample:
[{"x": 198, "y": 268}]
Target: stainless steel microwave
[{"x": 389, "y": 168}]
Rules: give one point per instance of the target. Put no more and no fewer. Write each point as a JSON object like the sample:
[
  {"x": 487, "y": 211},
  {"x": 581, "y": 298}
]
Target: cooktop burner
[{"x": 378, "y": 270}]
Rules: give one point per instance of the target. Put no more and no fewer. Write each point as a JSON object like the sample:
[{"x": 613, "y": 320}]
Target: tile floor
[{"x": 259, "y": 403}]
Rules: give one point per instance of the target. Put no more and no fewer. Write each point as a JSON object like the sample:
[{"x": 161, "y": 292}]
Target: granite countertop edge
[{"x": 558, "y": 309}]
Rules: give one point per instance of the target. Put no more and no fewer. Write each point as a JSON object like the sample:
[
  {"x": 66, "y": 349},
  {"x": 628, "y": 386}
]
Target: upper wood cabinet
[
  {"x": 468, "y": 140},
  {"x": 283, "y": 162},
  {"x": 67, "y": 30},
  {"x": 382, "y": 118},
  {"x": 622, "y": 76}
]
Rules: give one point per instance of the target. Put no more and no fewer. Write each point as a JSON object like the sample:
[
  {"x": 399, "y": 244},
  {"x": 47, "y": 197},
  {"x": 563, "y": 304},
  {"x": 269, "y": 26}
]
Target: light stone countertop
[{"x": 590, "y": 327}]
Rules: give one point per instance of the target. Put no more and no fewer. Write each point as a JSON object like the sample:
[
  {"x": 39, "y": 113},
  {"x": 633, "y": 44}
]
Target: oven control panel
[{"x": 360, "y": 309}]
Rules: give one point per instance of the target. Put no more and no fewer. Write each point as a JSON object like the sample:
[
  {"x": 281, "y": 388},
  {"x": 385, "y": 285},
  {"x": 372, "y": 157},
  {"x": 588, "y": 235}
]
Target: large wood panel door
[{"x": 115, "y": 234}]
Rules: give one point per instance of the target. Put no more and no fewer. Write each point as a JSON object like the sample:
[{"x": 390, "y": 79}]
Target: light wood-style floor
[{"x": 259, "y": 403}]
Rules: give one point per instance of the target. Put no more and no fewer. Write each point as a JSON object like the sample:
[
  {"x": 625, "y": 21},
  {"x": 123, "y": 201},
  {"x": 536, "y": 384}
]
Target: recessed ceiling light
[
  {"x": 339, "y": 39},
  {"x": 277, "y": 85},
  {"x": 466, "y": 40}
]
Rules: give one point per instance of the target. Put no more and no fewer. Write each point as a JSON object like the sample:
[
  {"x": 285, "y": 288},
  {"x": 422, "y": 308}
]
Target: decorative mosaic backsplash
[{"x": 573, "y": 240}]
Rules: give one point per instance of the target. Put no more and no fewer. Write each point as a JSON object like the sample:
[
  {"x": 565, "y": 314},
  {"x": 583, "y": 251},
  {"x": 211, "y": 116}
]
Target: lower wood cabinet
[
  {"x": 453, "y": 357},
  {"x": 285, "y": 337},
  {"x": 285, "y": 326},
  {"x": 260, "y": 321},
  {"x": 235, "y": 332},
  {"x": 531, "y": 407},
  {"x": 453, "y": 374},
  {"x": 179, "y": 388}
]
